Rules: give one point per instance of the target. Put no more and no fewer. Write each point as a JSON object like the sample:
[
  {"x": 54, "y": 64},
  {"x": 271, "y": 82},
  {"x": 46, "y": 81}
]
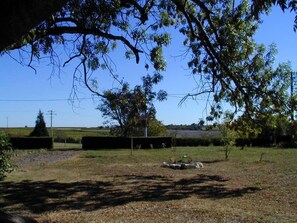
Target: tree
[
  {"x": 219, "y": 35},
  {"x": 132, "y": 110},
  {"x": 24, "y": 16},
  {"x": 156, "y": 128},
  {"x": 40, "y": 126},
  {"x": 272, "y": 108},
  {"x": 228, "y": 135},
  {"x": 6, "y": 165}
]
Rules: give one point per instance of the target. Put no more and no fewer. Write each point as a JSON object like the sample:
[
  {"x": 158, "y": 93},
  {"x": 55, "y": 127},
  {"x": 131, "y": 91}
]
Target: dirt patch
[{"x": 45, "y": 157}]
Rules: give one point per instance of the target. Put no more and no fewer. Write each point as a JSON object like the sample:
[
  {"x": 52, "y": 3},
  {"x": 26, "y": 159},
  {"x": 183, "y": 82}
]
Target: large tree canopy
[{"x": 218, "y": 34}]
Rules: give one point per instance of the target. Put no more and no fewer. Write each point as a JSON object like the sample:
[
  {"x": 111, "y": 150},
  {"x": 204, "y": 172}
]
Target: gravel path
[{"x": 44, "y": 157}]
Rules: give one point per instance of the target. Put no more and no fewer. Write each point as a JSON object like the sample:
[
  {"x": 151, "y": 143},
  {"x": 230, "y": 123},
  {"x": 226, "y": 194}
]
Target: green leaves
[
  {"x": 130, "y": 110},
  {"x": 156, "y": 57},
  {"x": 6, "y": 165},
  {"x": 223, "y": 55}
]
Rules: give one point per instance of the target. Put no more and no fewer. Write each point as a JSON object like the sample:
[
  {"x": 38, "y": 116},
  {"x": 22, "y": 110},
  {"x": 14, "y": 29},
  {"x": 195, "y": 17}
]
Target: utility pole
[{"x": 51, "y": 113}]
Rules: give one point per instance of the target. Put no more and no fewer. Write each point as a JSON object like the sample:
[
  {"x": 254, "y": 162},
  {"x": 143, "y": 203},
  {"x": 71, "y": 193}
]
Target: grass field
[
  {"x": 117, "y": 186},
  {"x": 75, "y": 133}
]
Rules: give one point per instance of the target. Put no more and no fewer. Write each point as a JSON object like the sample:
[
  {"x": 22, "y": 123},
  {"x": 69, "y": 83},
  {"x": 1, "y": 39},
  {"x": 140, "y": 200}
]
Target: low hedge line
[
  {"x": 197, "y": 142},
  {"x": 31, "y": 142},
  {"x": 97, "y": 142},
  {"x": 280, "y": 141}
]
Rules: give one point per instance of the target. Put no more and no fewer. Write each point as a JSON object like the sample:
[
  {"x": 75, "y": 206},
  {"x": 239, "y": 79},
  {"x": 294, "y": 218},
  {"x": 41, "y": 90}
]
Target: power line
[{"x": 172, "y": 95}]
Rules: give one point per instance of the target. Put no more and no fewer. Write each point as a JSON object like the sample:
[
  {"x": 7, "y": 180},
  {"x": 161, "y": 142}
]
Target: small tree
[
  {"x": 40, "y": 126},
  {"x": 6, "y": 165},
  {"x": 228, "y": 135}
]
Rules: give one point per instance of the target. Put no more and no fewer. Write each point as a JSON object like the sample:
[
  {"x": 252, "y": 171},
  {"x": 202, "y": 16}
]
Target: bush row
[
  {"x": 94, "y": 142},
  {"x": 280, "y": 141},
  {"x": 97, "y": 142},
  {"x": 197, "y": 142},
  {"x": 31, "y": 142}
]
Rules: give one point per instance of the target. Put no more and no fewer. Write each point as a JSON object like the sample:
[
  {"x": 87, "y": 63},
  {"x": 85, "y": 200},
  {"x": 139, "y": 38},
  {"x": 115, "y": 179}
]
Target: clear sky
[{"x": 23, "y": 93}]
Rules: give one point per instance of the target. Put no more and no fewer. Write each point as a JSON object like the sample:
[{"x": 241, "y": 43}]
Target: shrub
[
  {"x": 6, "y": 165},
  {"x": 31, "y": 142},
  {"x": 97, "y": 142},
  {"x": 193, "y": 141}
]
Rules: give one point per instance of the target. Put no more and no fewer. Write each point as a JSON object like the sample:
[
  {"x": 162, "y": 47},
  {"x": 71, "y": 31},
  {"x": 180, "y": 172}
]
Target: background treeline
[{"x": 192, "y": 126}]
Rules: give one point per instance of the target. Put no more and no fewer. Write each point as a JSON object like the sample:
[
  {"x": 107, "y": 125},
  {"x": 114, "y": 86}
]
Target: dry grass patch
[{"x": 113, "y": 186}]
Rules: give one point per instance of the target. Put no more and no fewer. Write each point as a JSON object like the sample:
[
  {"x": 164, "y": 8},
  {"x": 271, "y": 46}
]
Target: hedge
[
  {"x": 102, "y": 142},
  {"x": 31, "y": 142},
  {"x": 198, "y": 141}
]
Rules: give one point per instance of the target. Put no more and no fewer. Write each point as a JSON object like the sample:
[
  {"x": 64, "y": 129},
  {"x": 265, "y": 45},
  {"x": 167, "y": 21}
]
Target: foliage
[
  {"x": 270, "y": 116},
  {"x": 218, "y": 34},
  {"x": 240, "y": 72},
  {"x": 192, "y": 126},
  {"x": 31, "y": 142},
  {"x": 201, "y": 141},
  {"x": 132, "y": 110},
  {"x": 156, "y": 128},
  {"x": 40, "y": 126},
  {"x": 6, "y": 165},
  {"x": 228, "y": 136},
  {"x": 90, "y": 143}
]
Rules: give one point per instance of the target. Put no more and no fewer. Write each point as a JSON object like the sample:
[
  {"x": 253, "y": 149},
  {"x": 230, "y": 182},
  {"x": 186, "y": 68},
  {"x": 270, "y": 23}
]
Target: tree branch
[{"x": 95, "y": 32}]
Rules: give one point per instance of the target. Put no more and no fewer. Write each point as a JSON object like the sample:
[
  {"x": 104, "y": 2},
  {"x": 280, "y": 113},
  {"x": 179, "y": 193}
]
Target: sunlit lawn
[{"x": 132, "y": 186}]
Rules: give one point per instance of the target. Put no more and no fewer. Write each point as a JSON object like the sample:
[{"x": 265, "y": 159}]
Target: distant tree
[
  {"x": 130, "y": 111},
  {"x": 156, "y": 128},
  {"x": 40, "y": 126}
]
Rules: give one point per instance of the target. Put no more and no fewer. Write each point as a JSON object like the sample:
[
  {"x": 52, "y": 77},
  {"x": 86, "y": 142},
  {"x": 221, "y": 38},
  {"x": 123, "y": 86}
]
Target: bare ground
[{"x": 49, "y": 156}]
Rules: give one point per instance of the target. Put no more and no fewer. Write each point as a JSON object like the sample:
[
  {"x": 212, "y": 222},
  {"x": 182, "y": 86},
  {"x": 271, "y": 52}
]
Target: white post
[
  {"x": 132, "y": 146},
  {"x": 145, "y": 128}
]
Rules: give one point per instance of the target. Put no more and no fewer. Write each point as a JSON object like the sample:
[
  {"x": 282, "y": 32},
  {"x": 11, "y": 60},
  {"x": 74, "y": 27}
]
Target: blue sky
[{"x": 23, "y": 93}]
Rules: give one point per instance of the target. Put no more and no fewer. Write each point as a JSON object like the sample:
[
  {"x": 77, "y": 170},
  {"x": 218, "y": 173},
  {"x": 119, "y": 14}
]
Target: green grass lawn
[{"x": 121, "y": 186}]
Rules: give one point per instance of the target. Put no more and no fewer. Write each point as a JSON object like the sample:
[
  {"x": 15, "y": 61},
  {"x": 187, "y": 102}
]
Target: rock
[{"x": 193, "y": 165}]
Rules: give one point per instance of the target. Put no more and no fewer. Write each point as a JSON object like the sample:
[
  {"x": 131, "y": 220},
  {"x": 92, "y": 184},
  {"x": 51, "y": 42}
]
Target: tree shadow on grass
[{"x": 41, "y": 196}]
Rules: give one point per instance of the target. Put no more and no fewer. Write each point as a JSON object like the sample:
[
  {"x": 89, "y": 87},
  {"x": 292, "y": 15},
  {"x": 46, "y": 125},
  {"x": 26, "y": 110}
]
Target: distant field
[
  {"x": 75, "y": 133},
  {"x": 17, "y": 132}
]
